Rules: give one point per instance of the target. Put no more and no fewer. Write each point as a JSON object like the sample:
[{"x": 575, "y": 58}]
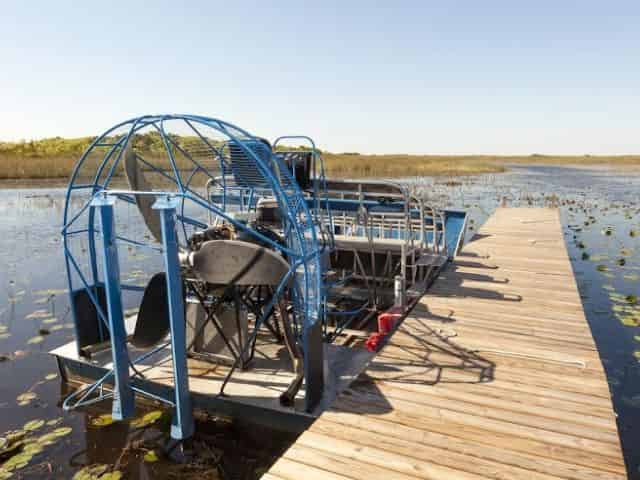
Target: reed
[{"x": 55, "y": 158}]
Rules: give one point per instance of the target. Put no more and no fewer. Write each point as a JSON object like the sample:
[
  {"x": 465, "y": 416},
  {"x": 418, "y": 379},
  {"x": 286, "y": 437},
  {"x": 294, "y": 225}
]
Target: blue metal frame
[
  {"x": 123, "y": 403},
  {"x": 302, "y": 249},
  {"x": 182, "y": 425}
]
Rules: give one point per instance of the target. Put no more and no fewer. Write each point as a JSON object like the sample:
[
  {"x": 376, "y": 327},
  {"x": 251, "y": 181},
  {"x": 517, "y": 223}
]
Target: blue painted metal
[
  {"x": 302, "y": 221},
  {"x": 455, "y": 225},
  {"x": 182, "y": 426},
  {"x": 123, "y": 401}
]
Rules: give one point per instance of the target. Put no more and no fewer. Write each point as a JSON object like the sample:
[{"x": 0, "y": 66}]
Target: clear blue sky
[{"x": 517, "y": 76}]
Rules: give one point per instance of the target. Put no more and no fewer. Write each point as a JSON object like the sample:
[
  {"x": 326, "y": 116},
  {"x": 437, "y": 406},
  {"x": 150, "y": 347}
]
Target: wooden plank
[{"x": 494, "y": 374}]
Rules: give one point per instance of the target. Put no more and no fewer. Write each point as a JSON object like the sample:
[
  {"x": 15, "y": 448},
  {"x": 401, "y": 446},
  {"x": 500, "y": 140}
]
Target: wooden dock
[{"x": 494, "y": 374}]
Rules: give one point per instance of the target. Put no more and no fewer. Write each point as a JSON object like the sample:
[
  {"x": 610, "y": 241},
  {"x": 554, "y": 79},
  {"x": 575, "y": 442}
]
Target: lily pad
[
  {"x": 35, "y": 340},
  {"x": 18, "y": 461},
  {"x": 147, "y": 419},
  {"x": 62, "y": 431},
  {"x": 43, "y": 313},
  {"x": 629, "y": 321},
  {"x": 102, "y": 420},
  {"x": 97, "y": 472},
  {"x": 151, "y": 456},
  {"x": 26, "y": 398},
  {"x": 33, "y": 425},
  {"x": 51, "y": 376},
  {"x": 33, "y": 448},
  {"x": 54, "y": 421},
  {"x": 602, "y": 268}
]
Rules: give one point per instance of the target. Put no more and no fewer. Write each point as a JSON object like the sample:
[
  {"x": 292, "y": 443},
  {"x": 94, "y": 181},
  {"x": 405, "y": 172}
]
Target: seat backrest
[
  {"x": 227, "y": 262},
  {"x": 244, "y": 169},
  {"x": 152, "y": 324}
]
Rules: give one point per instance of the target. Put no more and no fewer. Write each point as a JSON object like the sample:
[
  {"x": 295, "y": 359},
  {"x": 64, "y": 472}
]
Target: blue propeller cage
[{"x": 301, "y": 228}]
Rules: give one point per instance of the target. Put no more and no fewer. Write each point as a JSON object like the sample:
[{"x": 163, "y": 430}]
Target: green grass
[{"x": 55, "y": 157}]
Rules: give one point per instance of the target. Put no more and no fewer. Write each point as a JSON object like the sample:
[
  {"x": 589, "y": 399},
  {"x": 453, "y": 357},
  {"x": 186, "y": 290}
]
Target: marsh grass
[{"x": 55, "y": 158}]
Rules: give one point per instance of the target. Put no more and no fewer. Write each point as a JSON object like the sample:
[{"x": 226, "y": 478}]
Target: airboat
[{"x": 211, "y": 268}]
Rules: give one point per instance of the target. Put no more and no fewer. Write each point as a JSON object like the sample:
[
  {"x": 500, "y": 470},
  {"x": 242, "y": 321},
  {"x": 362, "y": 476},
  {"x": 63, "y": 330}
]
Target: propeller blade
[{"x": 138, "y": 182}]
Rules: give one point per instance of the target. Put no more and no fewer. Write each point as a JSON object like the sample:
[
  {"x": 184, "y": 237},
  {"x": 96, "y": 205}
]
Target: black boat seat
[
  {"x": 152, "y": 325},
  {"x": 234, "y": 262}
]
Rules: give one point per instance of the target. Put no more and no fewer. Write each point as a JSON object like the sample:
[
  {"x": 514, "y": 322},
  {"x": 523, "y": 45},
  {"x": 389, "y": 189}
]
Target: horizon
[
  {"x": 494, "y": 79},
  {"x": 419, "y": 154}
]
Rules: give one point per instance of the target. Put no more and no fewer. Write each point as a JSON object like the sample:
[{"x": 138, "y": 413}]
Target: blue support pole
[
  {"x": 182, "y": 426},
  {"x": 123, "y": 400}
]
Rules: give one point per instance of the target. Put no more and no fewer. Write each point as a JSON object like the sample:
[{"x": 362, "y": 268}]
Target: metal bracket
[
  {"x": 182, "y": 425},
  {"x": 123, "y": 401}
]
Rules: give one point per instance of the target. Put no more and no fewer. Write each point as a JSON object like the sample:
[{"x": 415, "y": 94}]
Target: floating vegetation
[
  {"x": 51, "y": 376},
  {"x": 602, "y": 268},
  {"x": 33, "y": 425},
  {"x": 631, "y": 299},
  {"x": 102, "y": 420},
  {"x": 633, "y": 233},
  {"x": 151, "y": 456},
  {"x": 585, "y": 256},
  {"x": 11, "y": 441},
  {"x": 19, "y": 447},
  {"x": 97, "y": 472},
  {"x": 608, "y": 231},
  {"x": 621, "y": 261},
  {"x": 147, "y": 419},
  {"x": 26, "y": 398},
  {"x": 35, "y": 340},
  {"x": 38, "y": 314}
]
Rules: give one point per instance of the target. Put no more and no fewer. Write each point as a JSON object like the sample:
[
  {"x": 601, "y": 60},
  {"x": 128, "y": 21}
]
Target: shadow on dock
[{"x": 418, "y": 355}]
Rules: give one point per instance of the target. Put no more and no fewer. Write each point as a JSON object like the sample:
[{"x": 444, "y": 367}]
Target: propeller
[{"x": 138, "y": 182}]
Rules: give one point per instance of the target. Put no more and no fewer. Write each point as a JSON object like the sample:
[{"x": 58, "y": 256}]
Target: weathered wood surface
[{"x": 493, "y": 375}]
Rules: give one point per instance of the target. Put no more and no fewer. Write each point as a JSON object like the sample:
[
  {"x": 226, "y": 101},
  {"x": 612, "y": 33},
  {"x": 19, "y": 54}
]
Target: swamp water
[{"x": 600, "y": 212}]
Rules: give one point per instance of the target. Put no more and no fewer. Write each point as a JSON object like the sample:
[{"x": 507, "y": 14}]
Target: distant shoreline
[{"x": 56, "y": 157}]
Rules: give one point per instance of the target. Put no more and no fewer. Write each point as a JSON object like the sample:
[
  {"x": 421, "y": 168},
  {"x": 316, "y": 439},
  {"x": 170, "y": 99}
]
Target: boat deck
[{"x": 494, "y": 374}]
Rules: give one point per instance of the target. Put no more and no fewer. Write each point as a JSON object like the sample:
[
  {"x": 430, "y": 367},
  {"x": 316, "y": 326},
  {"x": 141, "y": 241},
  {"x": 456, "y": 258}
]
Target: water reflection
[{"x": 599, "y": 211}]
